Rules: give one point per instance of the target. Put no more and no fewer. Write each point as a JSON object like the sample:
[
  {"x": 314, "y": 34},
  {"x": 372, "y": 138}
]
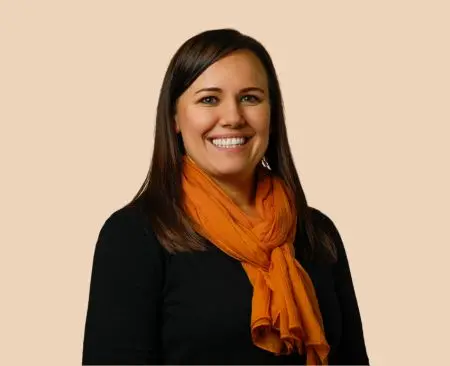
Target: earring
[{"x": 264, "y": 163}]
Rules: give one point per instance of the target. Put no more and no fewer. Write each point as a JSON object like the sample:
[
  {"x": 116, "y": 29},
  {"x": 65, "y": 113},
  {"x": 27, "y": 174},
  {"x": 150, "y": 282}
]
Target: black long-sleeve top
[{"x": 147, "y": 306}]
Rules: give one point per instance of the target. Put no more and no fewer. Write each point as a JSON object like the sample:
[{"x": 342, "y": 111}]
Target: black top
[{"x": 147, "y": 306}]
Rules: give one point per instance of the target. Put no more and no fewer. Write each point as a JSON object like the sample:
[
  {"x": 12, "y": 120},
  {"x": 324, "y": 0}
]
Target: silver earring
[{"x": 264, "y": 163}]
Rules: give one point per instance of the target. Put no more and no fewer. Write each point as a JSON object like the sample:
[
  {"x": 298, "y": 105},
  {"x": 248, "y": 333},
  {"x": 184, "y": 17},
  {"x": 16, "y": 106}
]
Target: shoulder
[
  {"x": 127, "y": 218},
  {"x": 127, "y": 231},
  {"x": 322, "y": 221},
  {"x": 326, "y": 232}
]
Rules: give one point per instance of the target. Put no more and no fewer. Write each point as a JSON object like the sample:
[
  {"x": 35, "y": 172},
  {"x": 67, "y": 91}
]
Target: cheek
[
  {"x": 260, "y": 121},
  {"x": 195, "y": 122}
]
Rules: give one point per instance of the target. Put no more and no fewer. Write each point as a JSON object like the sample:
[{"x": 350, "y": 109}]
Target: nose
[{"x": 231, "y": 115}]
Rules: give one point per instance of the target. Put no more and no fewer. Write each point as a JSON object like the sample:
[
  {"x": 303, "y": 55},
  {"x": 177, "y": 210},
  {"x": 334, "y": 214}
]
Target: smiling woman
[{"x": 218, "y": 259}]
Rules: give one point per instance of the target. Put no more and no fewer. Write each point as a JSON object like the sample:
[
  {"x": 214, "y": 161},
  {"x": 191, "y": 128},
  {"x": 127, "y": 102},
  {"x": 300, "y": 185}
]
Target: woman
[{"x": 219, "y": 259}]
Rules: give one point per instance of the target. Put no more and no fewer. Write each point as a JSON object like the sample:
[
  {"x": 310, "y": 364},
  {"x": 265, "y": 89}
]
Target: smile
[{"x": 230, "y": 142}]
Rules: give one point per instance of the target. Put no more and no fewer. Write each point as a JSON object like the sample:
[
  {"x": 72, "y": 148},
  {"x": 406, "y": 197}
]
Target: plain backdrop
[{"x": 367, "y": 97}]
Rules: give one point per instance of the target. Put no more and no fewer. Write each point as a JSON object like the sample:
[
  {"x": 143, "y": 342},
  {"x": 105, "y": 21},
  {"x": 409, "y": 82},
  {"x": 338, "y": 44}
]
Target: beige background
[{"x": 367, "y": 90}]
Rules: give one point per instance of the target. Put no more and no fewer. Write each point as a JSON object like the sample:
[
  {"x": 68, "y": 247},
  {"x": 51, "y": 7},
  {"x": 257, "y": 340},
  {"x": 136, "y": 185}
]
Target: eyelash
[{"x": 255, "y": 98}]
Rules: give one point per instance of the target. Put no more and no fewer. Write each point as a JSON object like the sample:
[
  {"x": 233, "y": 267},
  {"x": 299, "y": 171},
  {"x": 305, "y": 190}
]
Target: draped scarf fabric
[{"x": 285, "y": 314}]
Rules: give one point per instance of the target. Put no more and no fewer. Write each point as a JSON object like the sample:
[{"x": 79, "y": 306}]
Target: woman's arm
[
  {"x": 123, "y": 315},
  {"x": 352, "y": 348}
]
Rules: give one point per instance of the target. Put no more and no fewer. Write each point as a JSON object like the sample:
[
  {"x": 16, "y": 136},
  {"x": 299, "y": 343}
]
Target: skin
[{"x": 235, "y": 103}]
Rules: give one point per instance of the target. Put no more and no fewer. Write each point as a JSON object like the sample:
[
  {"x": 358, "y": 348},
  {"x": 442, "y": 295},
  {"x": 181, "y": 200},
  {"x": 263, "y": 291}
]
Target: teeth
[{"x": 229, "y": 142}]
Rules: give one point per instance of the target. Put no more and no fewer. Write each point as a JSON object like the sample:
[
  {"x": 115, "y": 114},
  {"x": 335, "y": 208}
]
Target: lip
[{"x": 229, "y": 136}]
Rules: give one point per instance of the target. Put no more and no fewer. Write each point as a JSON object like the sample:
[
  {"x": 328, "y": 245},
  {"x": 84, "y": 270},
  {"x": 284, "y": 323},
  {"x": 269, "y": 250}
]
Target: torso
[{"x": 207, "y": 307}]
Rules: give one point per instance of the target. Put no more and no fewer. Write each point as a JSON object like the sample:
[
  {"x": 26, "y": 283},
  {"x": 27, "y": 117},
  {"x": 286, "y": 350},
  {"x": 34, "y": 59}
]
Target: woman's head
[
  {"x": 187, "y": 119},
  {"x": 223, "y": 117}
]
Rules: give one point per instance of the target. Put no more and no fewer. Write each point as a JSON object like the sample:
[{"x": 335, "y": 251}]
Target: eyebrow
[{"x": 245, "y": 90}]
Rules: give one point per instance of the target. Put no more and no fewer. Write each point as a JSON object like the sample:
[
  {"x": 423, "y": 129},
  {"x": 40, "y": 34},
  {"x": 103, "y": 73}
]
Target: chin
[{"x": 222, "y": 170}]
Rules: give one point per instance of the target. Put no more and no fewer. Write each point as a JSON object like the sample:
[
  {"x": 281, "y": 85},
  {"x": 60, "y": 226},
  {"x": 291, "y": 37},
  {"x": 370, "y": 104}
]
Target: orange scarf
[{"x": 285, "y": 312}]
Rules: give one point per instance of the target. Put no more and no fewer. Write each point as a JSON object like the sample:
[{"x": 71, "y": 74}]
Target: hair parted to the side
[{"x": 161, "y": 191}]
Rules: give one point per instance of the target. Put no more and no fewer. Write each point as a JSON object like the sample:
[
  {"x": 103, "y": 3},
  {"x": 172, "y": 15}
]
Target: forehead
[{"x": 239, "y": 69}]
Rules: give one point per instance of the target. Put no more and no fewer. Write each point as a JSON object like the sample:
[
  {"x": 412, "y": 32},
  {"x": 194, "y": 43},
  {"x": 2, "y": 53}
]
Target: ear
[{"x": 176, "y": 125}]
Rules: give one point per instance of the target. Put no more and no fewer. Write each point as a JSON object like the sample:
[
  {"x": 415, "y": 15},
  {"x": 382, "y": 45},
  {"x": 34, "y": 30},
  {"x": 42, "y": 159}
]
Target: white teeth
[{"x": 229, "y": 142}]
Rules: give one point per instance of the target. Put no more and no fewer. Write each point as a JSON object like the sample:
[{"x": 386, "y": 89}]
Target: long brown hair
[{"x": 161, "y": 191}]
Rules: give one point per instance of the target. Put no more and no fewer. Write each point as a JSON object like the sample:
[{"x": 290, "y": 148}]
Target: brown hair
[{"x": 161, "y": 191}]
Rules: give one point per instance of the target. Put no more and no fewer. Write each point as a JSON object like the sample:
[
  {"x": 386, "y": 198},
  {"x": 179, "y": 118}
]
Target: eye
[
  {"x": 208, "y": 100},
  {"x": 252, "y": 99}
]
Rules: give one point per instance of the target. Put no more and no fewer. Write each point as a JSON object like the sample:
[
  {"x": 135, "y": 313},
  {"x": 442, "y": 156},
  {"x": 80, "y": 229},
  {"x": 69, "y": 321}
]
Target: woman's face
[{"x": 224, "y": 116}]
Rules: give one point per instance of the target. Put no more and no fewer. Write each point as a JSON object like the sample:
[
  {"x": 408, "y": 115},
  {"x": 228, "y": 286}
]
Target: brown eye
[
  {"x": 208, "y": 100},
  {"x": 253, "y": 99}
]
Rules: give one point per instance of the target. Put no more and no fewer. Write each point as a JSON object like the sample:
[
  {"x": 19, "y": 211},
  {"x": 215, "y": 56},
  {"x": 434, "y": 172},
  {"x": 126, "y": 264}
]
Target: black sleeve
[
  {"x": 352, "y": 348},
  {"x": 122, "y": 321}
]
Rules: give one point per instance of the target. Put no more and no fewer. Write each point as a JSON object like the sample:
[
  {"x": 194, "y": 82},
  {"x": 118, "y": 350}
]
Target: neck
[{"x": 241, "y": 191}]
